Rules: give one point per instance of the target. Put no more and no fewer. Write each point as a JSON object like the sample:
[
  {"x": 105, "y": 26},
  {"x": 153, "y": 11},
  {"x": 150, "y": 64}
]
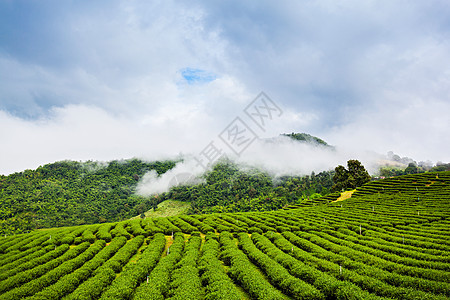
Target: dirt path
[{"x": 345, "y": 195}]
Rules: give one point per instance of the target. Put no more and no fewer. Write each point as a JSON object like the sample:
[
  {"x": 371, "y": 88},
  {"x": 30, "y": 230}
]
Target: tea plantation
[{"x": 390, "y": 240}]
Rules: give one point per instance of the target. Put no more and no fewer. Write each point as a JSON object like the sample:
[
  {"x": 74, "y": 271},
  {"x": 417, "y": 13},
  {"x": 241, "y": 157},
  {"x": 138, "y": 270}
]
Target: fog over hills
[{"x": 155, "y": 79}]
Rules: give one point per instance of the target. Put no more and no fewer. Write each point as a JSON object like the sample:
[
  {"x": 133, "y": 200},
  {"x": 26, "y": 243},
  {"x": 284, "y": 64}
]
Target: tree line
[
  {"x": 70, "y": 193},
  {"x": 227, "y": 188}
]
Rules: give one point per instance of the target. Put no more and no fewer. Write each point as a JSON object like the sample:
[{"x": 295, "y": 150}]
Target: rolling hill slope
[
  {"x": 68, "y": 193},
  {"x": 389, "y": 240}
]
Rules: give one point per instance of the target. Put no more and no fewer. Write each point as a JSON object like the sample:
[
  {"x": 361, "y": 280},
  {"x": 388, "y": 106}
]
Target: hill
[
  {"x": 227, "y": 188},
  {"x": 68, "y": 193},
  {"x": 167, "y": 208},
  {"x": 389, "y": 240},
  {"x": 72, "y": 193},
  {"x": 307, "y": 138}
]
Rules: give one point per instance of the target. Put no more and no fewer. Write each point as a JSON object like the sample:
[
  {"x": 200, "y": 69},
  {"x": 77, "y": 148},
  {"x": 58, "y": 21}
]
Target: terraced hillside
[{"x": 389, "y": 240}]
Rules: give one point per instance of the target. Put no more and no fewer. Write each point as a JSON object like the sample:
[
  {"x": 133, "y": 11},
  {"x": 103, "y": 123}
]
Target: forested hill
[
  {"x": 72, "y": 193},
  {"x": 230, "y": 189},
  {"x": 305, "y": 137}
]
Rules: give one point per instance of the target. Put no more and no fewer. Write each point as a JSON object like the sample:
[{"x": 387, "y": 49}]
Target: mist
[
  {"x": 184, "y": 173},
  {"x": 279, "y": 156}
]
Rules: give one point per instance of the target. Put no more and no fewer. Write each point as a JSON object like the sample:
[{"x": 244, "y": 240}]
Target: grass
[{"x": 167, "y": 208}]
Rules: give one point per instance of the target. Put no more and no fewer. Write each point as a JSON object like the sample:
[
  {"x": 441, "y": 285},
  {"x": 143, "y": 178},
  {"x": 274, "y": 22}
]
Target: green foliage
[
  {"x": 165, "y": 225},
  {"x": 67, "y": 267},
  {"x": 88, "y": 235},
  {"x": 440, "y": 167},
  {"x": 183, "y": 225},
  {"x": 30, "y": 261},
  {"x": 150, "y": 227},
  {"x": 411, "y": 169},
  {"x": 71, "y": 193},
  {"x": 159, "y": 278},
  {"x": 277, "y": 273},
  {"x": 331, "y": 286},
  {"x": 388, "y": 241},
  {"x": 28, "y": 242},
  {"x": 355, "y": 176},
  {"x": 135, "y": 227},
  {"x": 123, "y": 286},
  {"x": 12, "y": 259},
  {"x": 93, "y": 287},
  {"x": 218, "y": 284},
  {"x": 185, "y": 279},
  {"x": 120, "y": 230},
  {"x": 229, "y": 189},
  {"x": 304, "y": 137},
  {"x": 244, "y": 272},
  {"x": 358, "y": 172},
  {"x": 123, "y": 255},
  {"x": 70, "y": 282},
  {"x": 103, "y": 232},
  {"x": 104, "y": 275},
  {"x": 391, "y": 171},
  {"x": 198, "y": 224},
  {"x": 39, "y": 268}
]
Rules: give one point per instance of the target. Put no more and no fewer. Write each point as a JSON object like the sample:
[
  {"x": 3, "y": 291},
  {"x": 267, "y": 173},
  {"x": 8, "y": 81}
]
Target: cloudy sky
[{"x": 109, "y": 79}]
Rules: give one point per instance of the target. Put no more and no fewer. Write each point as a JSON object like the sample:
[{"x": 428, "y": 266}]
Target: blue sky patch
[{"x": 197, "y": 76}]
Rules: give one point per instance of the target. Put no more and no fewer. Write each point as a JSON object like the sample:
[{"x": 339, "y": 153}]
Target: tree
[
  {"x": 355, "y": 176},
  {"x": 154, "y": 204},
  {"x": 351, "y": 182},
  {"x": 411, "y": 168},
  {"x": 340, "y": 178},
  {"x": 359, "y": 173},
  {"x": 141, "y": 208}
]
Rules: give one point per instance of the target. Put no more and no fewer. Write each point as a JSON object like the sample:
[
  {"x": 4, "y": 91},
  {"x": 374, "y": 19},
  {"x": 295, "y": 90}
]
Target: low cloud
[
  {"x": 153, "y": 80},
  {"x": 284, "y": 156},
  {"x": 184, "y": 173},
  {"x": 277, "y": 157}
]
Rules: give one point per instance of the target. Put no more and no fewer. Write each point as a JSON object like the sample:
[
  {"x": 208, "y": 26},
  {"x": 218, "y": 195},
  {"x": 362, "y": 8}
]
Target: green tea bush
[{"x": 123, "y": 286}]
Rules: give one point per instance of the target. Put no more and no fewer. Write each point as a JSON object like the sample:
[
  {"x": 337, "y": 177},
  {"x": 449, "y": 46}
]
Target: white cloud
[
  {"x": 186, "y": 172},
  {"x": 103, "y": 81},
  {"x": 278, "y": 157},
  {"x": 83, "y": 133}
]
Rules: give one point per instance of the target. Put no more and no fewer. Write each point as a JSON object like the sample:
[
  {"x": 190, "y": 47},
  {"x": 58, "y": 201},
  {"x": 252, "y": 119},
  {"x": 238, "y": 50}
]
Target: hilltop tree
[
  {"x": 358, "y": 172},
  {"x": 411, "y": 169},
  {"x": 355, "y": 175},
  {"x": 340, "y": 178}
]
